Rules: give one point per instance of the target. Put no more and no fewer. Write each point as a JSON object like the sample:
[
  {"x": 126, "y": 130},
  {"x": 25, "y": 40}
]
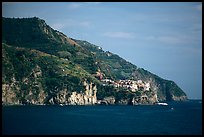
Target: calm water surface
[{"x": 184, "y": 119}]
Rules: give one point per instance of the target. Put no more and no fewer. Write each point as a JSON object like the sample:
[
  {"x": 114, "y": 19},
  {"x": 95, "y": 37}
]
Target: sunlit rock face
[{"x": 74, "y": 98}]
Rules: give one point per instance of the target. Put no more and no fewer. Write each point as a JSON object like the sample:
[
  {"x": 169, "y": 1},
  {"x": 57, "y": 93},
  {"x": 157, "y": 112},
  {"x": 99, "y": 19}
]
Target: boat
[
  {"x": 164, "y": 104},
  {"x": 61, "y": 105}
]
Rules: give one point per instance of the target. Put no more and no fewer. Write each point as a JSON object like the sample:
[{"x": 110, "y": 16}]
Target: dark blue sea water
[{"x": 184, "y": 119}]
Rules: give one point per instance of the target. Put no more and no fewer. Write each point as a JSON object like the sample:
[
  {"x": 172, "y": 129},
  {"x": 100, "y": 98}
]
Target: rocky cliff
[
  {"x": 41, "y": 65},
  {"x": 74, "y": 98}
]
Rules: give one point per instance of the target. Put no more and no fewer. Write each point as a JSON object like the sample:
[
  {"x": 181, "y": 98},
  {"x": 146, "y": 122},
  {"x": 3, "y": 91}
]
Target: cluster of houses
[{"x": 131, "y": 85}]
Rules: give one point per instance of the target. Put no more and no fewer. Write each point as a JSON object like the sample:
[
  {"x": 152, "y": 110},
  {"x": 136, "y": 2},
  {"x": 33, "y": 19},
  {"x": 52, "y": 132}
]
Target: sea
[{"x": 177, "y": 118}]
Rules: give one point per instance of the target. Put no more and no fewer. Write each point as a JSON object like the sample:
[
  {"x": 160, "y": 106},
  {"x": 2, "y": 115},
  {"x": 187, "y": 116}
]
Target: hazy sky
[{"x": 163, "y": 38}]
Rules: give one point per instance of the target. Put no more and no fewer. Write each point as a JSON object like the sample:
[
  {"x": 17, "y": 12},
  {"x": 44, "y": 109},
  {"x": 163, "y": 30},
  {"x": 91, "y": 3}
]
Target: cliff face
[
  {"x": 43, "y": 66},
  {"x": 74, "y": 98},
  {"x": 21, "y": 93}
]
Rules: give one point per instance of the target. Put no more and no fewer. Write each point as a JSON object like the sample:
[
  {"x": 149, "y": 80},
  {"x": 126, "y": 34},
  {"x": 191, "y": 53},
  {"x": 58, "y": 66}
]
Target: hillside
[
  {"x": 118, "y": 68},
  {"x": 41, "y": 65}
]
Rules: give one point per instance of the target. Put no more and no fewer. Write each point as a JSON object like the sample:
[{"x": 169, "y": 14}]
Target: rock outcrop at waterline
[
  {"x": 144, "y": 99},
  {"x": 180, "y": 98}
]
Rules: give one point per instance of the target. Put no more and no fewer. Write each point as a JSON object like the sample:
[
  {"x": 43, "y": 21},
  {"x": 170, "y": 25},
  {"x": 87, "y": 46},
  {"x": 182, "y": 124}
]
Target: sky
[{"x": 164, "y": 38}]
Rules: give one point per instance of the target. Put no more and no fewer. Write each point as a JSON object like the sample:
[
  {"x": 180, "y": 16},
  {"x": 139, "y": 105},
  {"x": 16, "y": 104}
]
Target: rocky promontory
[{"x": 42, "y": 66}]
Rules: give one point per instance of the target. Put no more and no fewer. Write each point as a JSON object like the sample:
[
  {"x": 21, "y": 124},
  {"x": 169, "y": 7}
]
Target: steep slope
[{"x": 44, "y": 66}]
